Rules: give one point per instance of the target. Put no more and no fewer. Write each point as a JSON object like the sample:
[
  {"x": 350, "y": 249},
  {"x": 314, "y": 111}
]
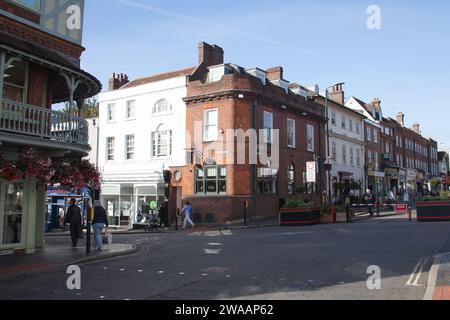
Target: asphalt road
[{"x": 316, "y": 262}]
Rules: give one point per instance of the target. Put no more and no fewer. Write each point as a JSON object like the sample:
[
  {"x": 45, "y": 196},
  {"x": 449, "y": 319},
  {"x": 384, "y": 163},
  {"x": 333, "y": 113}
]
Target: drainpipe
[
  {"x": 254, "y": 168},
  {"x": 2, "y": 74}
]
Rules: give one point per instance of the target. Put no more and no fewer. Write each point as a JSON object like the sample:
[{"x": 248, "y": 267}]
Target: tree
[{"x": 90, "y": 109}]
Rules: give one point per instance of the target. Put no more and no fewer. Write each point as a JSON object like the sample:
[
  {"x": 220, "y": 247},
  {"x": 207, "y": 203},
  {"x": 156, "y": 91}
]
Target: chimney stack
[
  {"x": 117, "y": 81},
  {"x": 210, "y": 55},
  {"x": 337, "y": 93},
  {"x": 401, "y": 119},
  {"x": 275, "y": 73},
  {"x": 416, "y": 128}
]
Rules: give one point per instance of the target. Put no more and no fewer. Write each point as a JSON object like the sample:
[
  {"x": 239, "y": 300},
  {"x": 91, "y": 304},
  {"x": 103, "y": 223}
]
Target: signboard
[
  {"x": 311, "y": 172},
  {"x": 401, "y": 208},
  {"x": 153, "y": 205}
]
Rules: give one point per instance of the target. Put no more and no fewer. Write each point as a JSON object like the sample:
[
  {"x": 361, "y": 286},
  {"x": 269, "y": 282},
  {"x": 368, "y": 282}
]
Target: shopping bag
[{"x": 107, "y": 237}]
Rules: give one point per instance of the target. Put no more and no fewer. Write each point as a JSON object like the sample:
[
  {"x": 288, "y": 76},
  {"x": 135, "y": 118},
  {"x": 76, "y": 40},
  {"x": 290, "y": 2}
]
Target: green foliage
[
  {"x": 435, "y": 183},
  {"x": 444, "y": 195},
  {"x": 296, "y": 203},
  {"x": 90, "y": 109}
]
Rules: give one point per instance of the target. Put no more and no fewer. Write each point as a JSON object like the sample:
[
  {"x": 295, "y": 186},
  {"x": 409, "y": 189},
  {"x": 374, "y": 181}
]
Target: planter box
[
  {"x": 433, "y": 211},
  {"x": 299, "y": 216}
]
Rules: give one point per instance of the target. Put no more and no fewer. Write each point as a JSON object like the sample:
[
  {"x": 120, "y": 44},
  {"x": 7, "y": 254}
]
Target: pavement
[{"x": 57, "y": 255}]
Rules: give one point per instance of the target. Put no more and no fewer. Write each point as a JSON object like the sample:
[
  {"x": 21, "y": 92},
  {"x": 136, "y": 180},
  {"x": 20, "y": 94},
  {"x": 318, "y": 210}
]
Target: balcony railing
[{"x": 47, "y": 124}]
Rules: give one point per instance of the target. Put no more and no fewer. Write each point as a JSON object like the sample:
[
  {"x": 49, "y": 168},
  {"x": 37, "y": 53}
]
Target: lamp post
[{"x": 330, "y": 200}]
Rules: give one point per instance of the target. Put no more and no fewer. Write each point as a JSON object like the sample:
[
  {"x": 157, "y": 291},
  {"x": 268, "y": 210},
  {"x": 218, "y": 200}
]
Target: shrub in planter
[
  {"x": 434, "y": 208},
  {"x": 299, "y": 212}
]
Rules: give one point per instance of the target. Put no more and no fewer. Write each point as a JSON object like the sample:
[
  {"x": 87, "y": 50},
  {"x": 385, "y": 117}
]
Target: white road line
[{"x": 415, "y": 275}]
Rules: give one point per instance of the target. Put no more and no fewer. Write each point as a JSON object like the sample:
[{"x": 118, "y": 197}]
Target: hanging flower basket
[{"x": 69, "y": 174}]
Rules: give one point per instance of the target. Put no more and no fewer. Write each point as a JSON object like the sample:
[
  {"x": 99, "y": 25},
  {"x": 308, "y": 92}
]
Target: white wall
[
  {"x": 143, "y": 165},
  {"x": 93, "y": 139},
  {"x": 349, "y": 138}
]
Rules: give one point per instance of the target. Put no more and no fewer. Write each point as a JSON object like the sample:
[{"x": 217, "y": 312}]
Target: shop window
[
  {"x": 15, "y": 81},
  {"x": 12, "y": 214},
  {"x": 267, "y": 179},
  {"x": 211, "y": 180}
]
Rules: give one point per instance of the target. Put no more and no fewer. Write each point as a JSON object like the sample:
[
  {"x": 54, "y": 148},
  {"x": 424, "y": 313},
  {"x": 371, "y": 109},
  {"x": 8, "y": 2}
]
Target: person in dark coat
[
  {"x": 99, "y": 222},
  {"x": 73, "y": 217}
]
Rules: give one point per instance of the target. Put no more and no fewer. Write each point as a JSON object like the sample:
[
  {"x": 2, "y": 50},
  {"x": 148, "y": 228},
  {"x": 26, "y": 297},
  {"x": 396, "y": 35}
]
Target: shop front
[
  {"x": 391, "y": 180},
  {"x": 376, "y": 183},
  {"x": 21, "y": 216},
  {"x": 411, "y": 185},
  {"x": 126, "y": 204}
]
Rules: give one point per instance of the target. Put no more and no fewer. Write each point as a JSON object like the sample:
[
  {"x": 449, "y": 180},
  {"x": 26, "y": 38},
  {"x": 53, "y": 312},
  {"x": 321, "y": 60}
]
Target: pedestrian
[
  {"x": 187, "y": 210},
  {"x": 99, "y": 222},
  {"x": 73, "y": 217},
  {"x": 370, "y": 201}
]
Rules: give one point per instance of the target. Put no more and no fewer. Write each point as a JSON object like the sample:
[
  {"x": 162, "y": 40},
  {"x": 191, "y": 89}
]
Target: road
[{"x": 315, "y": 262}]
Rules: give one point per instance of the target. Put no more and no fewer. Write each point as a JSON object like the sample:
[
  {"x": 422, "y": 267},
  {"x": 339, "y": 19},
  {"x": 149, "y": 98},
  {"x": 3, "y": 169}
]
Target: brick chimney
[
  {"x": 117, "y": 81},
  {"x": 275, "y": 73},
  {"x": 337, "y": 93},
  {"x": 210, "y": 55},
  {"x": 401, "y": 119},
  {"x": 416, "y": 128}
]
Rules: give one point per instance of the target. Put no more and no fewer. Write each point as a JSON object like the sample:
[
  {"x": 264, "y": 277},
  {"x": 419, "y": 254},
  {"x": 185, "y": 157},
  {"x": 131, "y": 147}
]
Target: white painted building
[
  {"x": 347, "y": 147},
  {"x": 142, "y": 132}
]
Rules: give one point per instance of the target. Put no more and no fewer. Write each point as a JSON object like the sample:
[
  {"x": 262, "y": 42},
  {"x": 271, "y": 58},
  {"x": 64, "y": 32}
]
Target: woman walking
[{"x": 99, "y": 222}]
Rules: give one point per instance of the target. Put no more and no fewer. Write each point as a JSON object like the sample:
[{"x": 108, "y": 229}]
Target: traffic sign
[{"x": 311, "y": 172}]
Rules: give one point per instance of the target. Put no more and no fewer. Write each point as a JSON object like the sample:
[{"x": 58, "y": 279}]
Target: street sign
[{"x": 311, "y": 172}]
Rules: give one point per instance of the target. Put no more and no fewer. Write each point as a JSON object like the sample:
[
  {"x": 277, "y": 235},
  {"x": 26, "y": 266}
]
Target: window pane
[
  {"x": 13, "y": 206},
  {"x": 211, "y": 186},
  {"x": 223, "y": 172},
  {"x": 200, "y": 187},
  {"x": 15, "y": 81},
  {"x": 222, "y": 186},
  {"x": 211, "y": 173}
]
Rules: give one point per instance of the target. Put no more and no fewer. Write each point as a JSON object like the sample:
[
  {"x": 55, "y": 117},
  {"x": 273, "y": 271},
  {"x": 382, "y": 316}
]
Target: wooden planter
[
  {"x": 433, "y": 211},
  {"x": 299, "y": 216}
]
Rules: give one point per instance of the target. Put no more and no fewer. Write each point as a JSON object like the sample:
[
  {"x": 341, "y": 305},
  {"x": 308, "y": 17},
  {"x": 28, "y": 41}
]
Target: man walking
[
  {"x": 187, "y": 210},
  {"x": 99, "y": 222},
  {"x": 73, "y": 217}
]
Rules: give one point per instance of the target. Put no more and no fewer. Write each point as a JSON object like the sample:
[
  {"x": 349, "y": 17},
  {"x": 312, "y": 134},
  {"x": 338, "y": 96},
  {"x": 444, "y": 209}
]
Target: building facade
[
  {"x": 347, "y": 146},
  {"x": 374, "y": 174},
  {"x": 227, "y": 103},
  {"x": 142, "y": 133},
  {"x": 39, "y": 66}
]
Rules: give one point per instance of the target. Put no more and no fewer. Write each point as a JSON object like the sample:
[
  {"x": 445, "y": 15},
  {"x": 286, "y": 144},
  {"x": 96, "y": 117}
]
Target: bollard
[
  {"x": 378, "y": 209},
  {"x": 333, "y": 218},
  {"x": 410, "y": 213}
]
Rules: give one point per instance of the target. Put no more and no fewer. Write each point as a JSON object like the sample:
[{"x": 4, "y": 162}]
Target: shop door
[{"x": 11, "y": 215}]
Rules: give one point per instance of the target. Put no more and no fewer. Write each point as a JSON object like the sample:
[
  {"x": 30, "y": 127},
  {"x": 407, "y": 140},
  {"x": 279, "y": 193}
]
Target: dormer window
[
  {"x": 216, "y": 73},
  {"x": 282, "y": 83},
  {"x": 258, "y": 73}
]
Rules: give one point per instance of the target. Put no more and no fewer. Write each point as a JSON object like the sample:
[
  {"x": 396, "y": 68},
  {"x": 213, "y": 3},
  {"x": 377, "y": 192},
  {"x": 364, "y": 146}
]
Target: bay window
[{"x": 211, "y": 180}]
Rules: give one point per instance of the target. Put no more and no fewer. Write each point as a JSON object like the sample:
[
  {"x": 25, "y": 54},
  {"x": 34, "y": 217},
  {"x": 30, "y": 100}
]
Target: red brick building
[{"x": 226, "y": 96}]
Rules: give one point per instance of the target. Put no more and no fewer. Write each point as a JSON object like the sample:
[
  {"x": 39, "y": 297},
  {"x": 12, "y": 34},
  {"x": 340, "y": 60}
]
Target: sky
[{"x": 405, "y": 63}]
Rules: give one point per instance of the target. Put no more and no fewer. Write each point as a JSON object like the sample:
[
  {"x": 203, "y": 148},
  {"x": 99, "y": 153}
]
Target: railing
[{"x": 44, "y": 123}]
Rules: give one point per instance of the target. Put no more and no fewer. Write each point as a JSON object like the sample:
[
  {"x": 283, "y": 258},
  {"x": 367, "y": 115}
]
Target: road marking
[
  {"x": 160, "y": 272},
  {"x": 417, "y": 272},
  {"x": 204, "y": 274},
  {"x": 102, "y": 297},
  {"x": 212, "y": 251},
  {"x": 182, "y": 273},
  {"x": 140, "y": 271},
  {"x": 214, "y": 244},
  {"x": 122, "y": 269}
]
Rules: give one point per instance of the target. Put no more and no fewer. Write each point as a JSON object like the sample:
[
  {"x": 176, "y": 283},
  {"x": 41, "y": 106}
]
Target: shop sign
[{"x": 311, "y": 172}]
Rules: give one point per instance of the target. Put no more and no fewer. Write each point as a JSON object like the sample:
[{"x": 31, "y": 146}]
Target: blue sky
[{"x": 406, "y": 64}]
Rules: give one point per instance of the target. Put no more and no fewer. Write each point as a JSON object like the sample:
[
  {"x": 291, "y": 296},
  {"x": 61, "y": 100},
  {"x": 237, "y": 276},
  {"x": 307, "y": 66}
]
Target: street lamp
[{"x": 330, "y": 200}]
